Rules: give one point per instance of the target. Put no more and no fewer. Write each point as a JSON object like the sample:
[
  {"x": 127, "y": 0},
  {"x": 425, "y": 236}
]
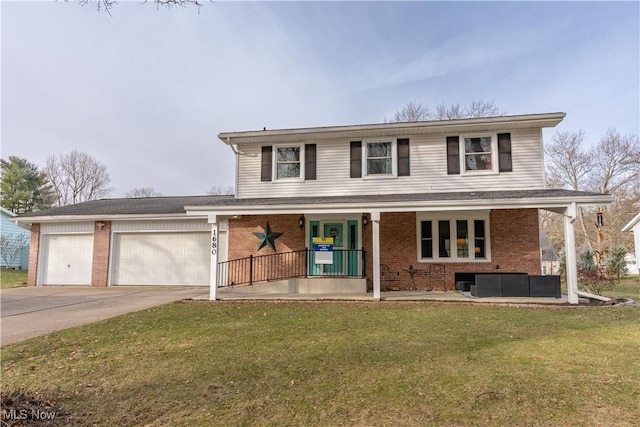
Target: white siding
[
  {"x": 428, "y": 171},
  {"x": 66, "y": 227},
  {"x": 165, "y": 225}
]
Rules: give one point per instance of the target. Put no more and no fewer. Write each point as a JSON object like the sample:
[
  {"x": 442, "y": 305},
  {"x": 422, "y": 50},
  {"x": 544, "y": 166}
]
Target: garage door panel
[
  {"x": 161, "y": 259},
  {"x": 67, "y": 259}
]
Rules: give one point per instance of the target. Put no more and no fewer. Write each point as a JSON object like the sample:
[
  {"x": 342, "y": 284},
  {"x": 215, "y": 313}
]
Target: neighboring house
[
  {"x": 634, "y": 227},
  {"x": 394, "y": 197},
  {"x": 17, "y": 256}
]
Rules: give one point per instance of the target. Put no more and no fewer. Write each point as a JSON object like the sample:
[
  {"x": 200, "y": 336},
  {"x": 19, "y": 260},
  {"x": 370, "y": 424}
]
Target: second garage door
[{"x": 161, "y": 259}]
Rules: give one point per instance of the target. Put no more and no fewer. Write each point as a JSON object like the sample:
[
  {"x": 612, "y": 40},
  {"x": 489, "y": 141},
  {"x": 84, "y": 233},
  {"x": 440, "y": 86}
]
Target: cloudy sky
[{"x": 147, "y": 91}]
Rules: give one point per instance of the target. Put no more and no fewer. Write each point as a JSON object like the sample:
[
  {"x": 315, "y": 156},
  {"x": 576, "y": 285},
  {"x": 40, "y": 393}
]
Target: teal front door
[{"x": 335, "y": 230}]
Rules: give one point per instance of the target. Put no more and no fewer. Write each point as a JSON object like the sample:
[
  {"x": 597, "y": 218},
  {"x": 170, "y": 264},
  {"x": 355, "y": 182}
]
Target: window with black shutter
[
  {"x": 265, "y": 172},
  {"x": 404, "y": 168},
  {"x": 453, "y": 155},
  {"x": 356, "y": 159}
]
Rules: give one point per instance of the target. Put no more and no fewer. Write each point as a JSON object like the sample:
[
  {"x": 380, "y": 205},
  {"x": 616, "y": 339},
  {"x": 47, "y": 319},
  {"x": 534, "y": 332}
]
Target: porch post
[
  {"x": 571, "y": 267},
  {"x": 375, "y": 221},
  {"x": 213, "y": 274}
]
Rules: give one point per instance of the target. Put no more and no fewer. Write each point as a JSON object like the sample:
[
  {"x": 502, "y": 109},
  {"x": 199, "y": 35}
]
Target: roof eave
[
  {"x": 532, "y": 120},
  {"x": 404, "y": 206},
  {"x": 100, "y": 217},
  {"x": 631, "y": 224}
]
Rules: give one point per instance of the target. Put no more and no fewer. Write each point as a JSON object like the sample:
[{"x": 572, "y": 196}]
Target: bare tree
[
  {"x": 221, "y": 190},
  {"x": 77, "y": 177},
  {"x": 142, "y": 192},
  {"x": 106, "y": 5},
  {"x": 12, "y": 247},
  {"x": 611, "y": 166},
  {"x": 414, "y": 111}
]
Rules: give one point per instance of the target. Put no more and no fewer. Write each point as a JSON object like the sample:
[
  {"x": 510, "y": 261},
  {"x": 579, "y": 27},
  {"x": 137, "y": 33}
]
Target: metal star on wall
[{"x": 268, "y": 238}]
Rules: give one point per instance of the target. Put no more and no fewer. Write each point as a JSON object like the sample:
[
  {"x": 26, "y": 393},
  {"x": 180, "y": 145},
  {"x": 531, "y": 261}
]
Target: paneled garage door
[
  {"x": 67, "y": 259},
  {"x": 161, "y": 259}
]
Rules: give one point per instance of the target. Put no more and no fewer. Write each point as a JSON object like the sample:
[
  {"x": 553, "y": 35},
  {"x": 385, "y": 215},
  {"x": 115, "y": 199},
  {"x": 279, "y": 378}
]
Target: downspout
[{"x": 235, "y": 187}]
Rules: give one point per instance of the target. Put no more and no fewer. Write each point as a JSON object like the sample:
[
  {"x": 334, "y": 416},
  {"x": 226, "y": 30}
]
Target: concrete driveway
[{"x": 34, "y": 311}]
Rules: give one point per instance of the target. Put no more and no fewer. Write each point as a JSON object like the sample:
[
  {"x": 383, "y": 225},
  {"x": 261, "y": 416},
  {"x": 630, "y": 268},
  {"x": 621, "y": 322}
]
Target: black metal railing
[{"x": 286, "y": 265}]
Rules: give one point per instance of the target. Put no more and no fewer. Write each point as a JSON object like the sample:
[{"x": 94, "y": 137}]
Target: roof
[
  {"x": 632, "y": 223},
  {"x": 7, "y": 212},
  {"x": 230, "y": 205},
  {"x": 394, "y": 129},
  {"x": 128, "y": 206}
]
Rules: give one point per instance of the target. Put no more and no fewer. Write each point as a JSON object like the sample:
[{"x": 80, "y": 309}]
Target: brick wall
[
  {"x": 515, "y": 247},
  {"x": 242, "y": 243},
  {"x": 514, "y": 236},
  {"x": 32, "y": 274},
  {"x": 101, "y": 247}
]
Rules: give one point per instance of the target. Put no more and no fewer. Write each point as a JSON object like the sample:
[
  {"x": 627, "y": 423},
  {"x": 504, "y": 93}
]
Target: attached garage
[
  {"x": 161, "y": 258},
  {"x": 67, "y": 259}
]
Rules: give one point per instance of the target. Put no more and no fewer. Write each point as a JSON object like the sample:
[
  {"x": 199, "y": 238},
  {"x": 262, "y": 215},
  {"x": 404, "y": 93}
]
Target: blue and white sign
[{"x": 323, "y": 247}]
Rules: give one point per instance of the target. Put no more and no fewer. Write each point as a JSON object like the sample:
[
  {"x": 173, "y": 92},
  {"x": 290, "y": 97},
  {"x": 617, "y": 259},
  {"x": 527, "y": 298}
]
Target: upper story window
[
  {"x": 287, "y": 161},
  {"x": 379, "y": 158},
  {"x": 476, "y": 153}
]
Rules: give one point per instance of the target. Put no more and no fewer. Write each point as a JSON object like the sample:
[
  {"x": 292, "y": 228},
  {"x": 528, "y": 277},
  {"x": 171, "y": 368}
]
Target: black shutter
[
  {"x": 504, "y": 152},
  {"x": 453, "y": 155},
  {"x": 310, "y": 161},
  {"x": 265, "y": 172},
  {"x": 403, "y": 157},
  {"x": 356, "y": 159}
]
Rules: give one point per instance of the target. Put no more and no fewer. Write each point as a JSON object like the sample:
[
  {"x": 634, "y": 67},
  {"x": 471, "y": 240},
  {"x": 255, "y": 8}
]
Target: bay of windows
[{"x": 455, "y": 239}]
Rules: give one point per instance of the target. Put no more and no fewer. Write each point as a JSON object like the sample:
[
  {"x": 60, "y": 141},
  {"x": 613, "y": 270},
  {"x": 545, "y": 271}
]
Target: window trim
[
  {"x": 453, "y": 217},
  {"x": 274, "y": 162},
  {"x": 394, "y": 158},
  {"x": 495, "y": 168}
]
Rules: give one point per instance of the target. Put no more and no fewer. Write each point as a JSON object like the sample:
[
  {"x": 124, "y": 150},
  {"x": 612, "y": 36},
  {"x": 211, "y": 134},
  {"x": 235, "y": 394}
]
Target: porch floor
[{"x": 228, "y": 294}]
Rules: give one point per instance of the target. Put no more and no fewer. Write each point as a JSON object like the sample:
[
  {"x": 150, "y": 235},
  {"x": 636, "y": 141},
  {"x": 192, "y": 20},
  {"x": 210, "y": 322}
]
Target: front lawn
[
  {"x": 13, "y": 278},
  {"x": 319, "y": 364}
]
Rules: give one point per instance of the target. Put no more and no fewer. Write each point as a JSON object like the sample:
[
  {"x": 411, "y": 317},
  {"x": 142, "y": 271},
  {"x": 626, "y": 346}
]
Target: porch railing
[{"x": 286, "y": 265}]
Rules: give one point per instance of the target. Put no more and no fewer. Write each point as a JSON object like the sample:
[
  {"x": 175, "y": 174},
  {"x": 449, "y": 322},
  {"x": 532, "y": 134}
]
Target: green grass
[
  {"x": 13, "y": 278},
  {"x": 629, "y": 287},
  {"x": 317, "y": 364}
]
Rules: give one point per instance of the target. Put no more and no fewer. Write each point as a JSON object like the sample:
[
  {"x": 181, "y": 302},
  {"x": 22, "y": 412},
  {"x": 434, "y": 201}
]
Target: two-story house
[{"x": 355, "y": 202}]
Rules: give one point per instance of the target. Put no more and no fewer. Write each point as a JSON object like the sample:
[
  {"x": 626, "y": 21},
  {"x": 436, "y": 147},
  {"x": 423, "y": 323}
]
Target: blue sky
[{"x": 146, "y": 91}]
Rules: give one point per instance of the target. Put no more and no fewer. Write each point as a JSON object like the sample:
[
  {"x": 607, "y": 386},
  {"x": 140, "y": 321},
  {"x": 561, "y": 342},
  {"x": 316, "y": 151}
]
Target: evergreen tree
[{"x": 23, "y": 188}]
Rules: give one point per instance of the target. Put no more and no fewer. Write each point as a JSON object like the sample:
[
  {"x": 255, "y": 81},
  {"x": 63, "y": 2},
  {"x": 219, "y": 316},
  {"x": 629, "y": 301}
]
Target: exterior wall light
[
  {"x": 365, "y": 221},
  {"x": 301, "y": 222},
  {"x": 100, "y": 225}
]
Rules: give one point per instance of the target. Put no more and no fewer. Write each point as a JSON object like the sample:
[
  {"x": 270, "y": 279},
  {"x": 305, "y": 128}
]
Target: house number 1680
[{"x": 214, "y": 243}]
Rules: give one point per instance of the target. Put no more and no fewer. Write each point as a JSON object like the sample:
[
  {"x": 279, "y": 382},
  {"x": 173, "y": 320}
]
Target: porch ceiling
[{"x": 550, "y": 199}]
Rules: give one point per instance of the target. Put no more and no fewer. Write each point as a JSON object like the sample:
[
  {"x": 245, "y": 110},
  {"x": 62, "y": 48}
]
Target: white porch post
[
  {"x": 571, "y": 264},
  {"x": 375, "y": 222},
  {"x": 213, "y": 275}
]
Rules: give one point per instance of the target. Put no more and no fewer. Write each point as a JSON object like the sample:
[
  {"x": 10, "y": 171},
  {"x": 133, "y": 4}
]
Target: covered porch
[{"x": 466, "y": 231}]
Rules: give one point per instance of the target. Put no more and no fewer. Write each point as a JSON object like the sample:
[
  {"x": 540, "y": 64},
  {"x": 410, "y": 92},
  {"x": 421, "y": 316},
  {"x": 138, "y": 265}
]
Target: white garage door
[
  {"x": 67, "y": 259},
  {"x": 161, "y": 259}
]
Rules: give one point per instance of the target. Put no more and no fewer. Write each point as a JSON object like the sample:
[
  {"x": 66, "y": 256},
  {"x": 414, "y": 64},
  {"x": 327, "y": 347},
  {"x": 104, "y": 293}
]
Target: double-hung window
[
  {"x": 379, "y": 158},
  {"x": 287, "y": 161},
  {"x": 477, "y": 153},
  {"x": 460, "y": 237}
]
